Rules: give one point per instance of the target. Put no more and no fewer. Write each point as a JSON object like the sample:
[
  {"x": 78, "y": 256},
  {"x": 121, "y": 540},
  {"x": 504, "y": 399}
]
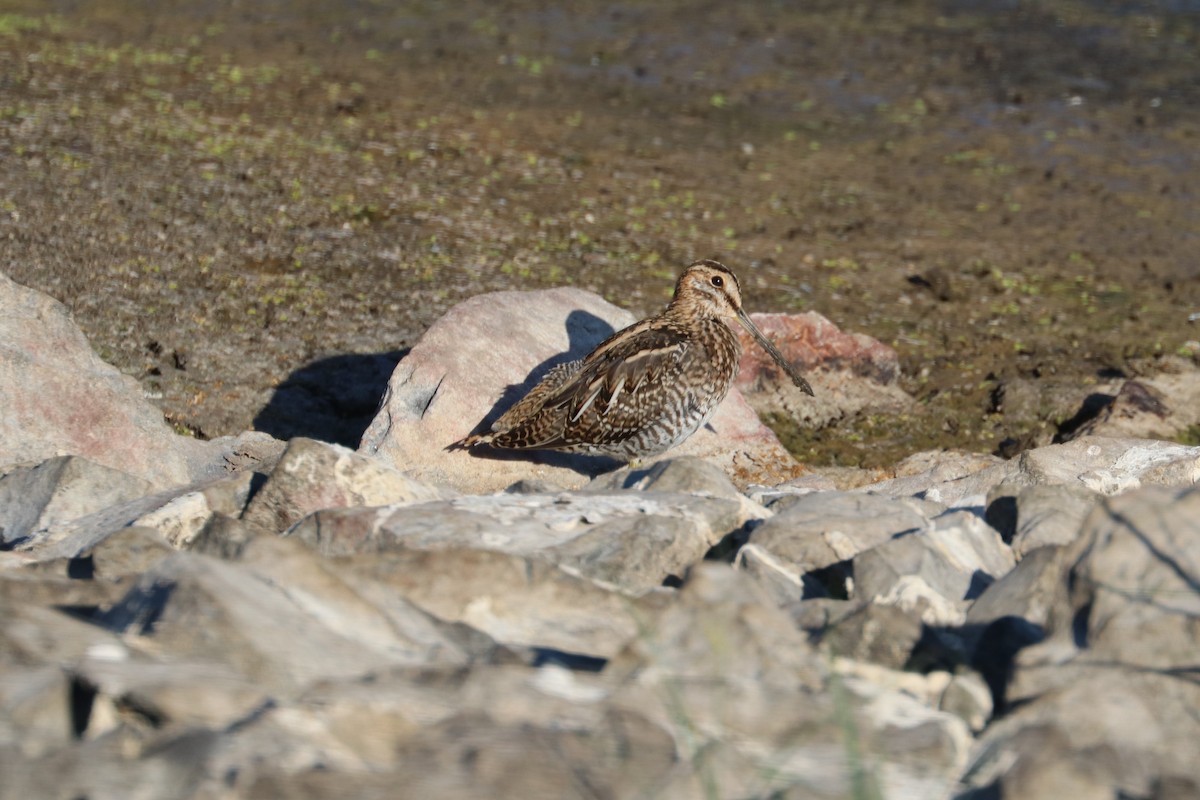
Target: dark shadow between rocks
[
  {"x": 584, "y": 332},
  {"x": 1093, "y": 405},
  {"x": 577, "y": 662},
  {"x": 332, "y": 399}
]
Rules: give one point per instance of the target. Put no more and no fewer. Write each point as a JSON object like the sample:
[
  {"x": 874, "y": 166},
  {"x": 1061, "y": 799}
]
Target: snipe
[{"x": 646, "y": 388}]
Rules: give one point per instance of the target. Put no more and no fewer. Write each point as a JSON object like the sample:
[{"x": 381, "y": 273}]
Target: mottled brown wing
[
  {"x": 533, "y": 402},
  {"x": 604, "y": 401}
]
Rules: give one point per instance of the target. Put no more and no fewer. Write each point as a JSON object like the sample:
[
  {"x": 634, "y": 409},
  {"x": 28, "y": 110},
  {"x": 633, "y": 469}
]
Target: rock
[
  {"x": 782, "y": 580},
  {"x": 964, "y": 694},
  {"x": 36, "y": 636},
  {"x": 473, "y": 755},
  {"x": 223, "y": 537},
  {"x": 1013, "y": 613},
  {"x": 850, "y": 373},
  {"x": 518, "y": 601},
  {"x": 180, "y": 520},
  {"x": 1039, "y": 516},
  {"x": 687, "y": 475},
  {"x": 817, "y": 530},
  {"x": 1103, "y": 465},
  {"x": 57, "y": 491},
  {"x": 1035, "y": 410},
  {"x": 1033, "y": 592},
  {"x": 1103, "y": 694},
  {"x": 35, "y": 710},
  {"x": 62, "y": 584},
  {"x": 633, "y": 540},
  {"x": 740, "y": 689},
  {"x": 968, "y": 698},
  {"x": 1159, "y": 407},
  {"x": 952, "y": 478},
  {"x": 126, "y": 554},
  {"x": 877, "y": 634},
  {"x": 176, "y": 693},
  {"x": 1111, "y": 466},
  {"x": 282, "y": 618},
  {"x": 1133, "y": 571},
  {"x": 112, "y": 768},
  {"x": 178, "y": 514},
  {"x": 312, "y": 475},
  {"x": 249, "y": 451},
  {"x": 60, "y": 398},
  {"x": 934, "y": 572},
  {"x": 484, "y": 354}
]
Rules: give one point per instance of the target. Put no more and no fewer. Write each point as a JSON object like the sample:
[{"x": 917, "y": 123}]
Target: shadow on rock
[
  {"x": 332, "y": 399},
  {"x": 585, "y": 331}
]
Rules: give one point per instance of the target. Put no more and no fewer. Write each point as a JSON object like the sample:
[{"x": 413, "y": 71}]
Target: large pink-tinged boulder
[
  {"x": 58, "y": 398},
  {"x": 485, "y": 353}
]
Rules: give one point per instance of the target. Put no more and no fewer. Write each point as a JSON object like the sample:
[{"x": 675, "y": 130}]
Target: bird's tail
[{"x": 467, "y": 442}]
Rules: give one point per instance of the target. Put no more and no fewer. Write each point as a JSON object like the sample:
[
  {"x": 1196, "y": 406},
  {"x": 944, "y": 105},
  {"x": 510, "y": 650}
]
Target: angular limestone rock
[
  {"x": 58, "y": 491},
  {"x": 312, "y": 475}
]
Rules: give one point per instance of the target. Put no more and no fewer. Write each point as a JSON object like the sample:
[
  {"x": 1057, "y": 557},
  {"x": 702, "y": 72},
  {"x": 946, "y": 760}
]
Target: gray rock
[
  {"x": 968, "y": 697},
  {"x": 414, "y": 727},
  {"x": 684, "y": 475},
  {"x": 177, "y": 513},
  {"x": 312, "y": 475},
  {"x": 635, "y": 554},
  {"x": 823, "y": 528},
  {"x": 472, "y": 756},
  {"x": 1103, "y": 465},
  {"x": 1050, "y": 516},
  {"x": 35, "y": 710},
  {"x": 58, "y": 584},
  {"x": 1106, "y": 692},
  {"x": 485, "y": 353},
  {"x": 1029, "y": 517},
  {"x": 1111, "y": 466},
  {"x": 1033, "y": 591},
  {"x": 604, "y": 536},
  {"x": 178, "y": 694},
  {"x": 1135, "y": 572},
  {"x": 119, "y": 767},
  {"x": 223, "y": 537},
  {"x": 33, "y": 636},
  {"x": 180, "y": 520},
  {"x": 1157, "y": 407},
  {"x": 780, "y": 578},
  {"x": 952, "y": 478},
  {"x": 57, "y": 491},
  {"x": 282, "y": 617},
  {"x": 877, "y": 634},
  {"x": 522, "y": 602},
  {"x": 1122, "y": 730},
  {"x": 126, "y": 554},
  {"x": 934, "y": 572},
  {"x": 751, "y": 707}
]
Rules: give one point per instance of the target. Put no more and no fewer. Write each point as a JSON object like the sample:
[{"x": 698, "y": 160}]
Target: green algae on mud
[{"x": 998, "y": 192}]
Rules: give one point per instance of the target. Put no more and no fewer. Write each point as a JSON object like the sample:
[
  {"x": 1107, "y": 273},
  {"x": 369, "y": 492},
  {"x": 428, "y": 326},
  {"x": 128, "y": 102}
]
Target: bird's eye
[{"x": 718, "y": 281}]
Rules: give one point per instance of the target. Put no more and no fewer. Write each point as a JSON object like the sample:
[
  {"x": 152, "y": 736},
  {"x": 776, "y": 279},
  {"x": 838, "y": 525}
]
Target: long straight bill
[{"x": 773, "y": 352}]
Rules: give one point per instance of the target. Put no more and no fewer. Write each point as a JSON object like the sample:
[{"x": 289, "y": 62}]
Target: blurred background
[{"x": 255, "y": 207}]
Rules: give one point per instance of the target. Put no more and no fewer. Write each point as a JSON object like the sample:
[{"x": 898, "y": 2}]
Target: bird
[{"x": 646, "y": 388}]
